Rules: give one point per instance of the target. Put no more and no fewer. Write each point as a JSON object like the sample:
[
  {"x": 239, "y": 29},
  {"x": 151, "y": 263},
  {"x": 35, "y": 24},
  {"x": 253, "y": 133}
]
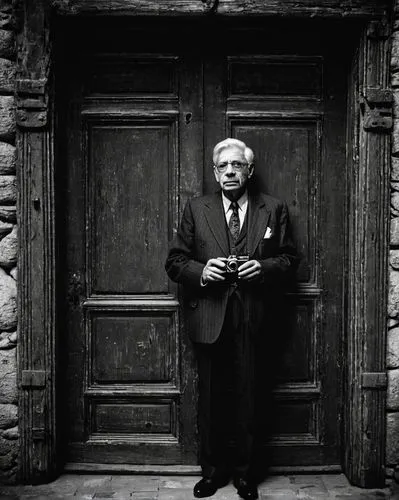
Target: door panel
[
  {"x": 140, "y": 132},
  {"x": 129, "y": 232}
]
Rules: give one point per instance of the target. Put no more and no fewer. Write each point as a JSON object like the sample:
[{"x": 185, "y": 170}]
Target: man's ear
[
  {"x": 215, "y": 172},
  {"x": 251, "y": 167}
]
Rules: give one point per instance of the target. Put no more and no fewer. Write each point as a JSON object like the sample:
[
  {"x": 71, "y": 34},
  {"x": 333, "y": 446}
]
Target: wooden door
[
  {"x": 129, "y": 371},
  {"x": 141, "y": 119}
]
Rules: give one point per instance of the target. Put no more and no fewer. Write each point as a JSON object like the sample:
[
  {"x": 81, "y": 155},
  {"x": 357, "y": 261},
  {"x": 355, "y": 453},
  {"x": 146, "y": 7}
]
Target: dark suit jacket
[{"x": 202, "y": 235}]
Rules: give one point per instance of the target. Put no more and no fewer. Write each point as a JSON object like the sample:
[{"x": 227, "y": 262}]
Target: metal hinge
[
  {"x": 374, "y": 380},
  {"x": 33, "y": 379},
  {"x": 32, "y": 105},
  {"x": 376, "y": 106},
  {"x": 378, "y": 30}
]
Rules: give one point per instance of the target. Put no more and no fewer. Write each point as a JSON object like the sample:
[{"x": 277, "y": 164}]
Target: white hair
[{"x": 233, "y": 143}]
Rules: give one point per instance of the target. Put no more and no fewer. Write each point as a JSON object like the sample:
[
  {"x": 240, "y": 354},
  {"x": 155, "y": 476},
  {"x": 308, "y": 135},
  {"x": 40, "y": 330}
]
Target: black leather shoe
[
  {"x": 246, "y": 488},
  {"x": 208, "y": 486}
]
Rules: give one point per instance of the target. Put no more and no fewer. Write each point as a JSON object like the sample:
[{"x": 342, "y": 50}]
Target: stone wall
[{"x": 8, "y": 249}]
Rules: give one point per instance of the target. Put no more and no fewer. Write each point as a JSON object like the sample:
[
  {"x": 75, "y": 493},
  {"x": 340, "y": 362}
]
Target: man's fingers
[
  {"x": 218, "y": 263},
  {"x": 212, "y": 275},
  {"x": 246, "y": 265},
  {"x": 249, "y": 269}
]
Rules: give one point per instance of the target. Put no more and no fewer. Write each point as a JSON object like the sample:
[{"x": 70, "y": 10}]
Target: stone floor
[{"x": 288, "y": 487}]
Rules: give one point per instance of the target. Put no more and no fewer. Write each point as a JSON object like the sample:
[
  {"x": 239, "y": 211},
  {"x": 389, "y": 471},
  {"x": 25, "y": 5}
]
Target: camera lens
[{"x": 232, "y": 265}]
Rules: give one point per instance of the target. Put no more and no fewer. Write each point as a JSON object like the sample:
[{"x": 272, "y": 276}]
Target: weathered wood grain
[
  {"x": 36, "y": 280},
  {"x": 321, "y": 8},
  {"x": 367, "y": 233}
]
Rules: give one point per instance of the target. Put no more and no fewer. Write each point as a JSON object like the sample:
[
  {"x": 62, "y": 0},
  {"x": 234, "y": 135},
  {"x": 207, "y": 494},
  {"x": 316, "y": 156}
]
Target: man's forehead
[{"x": 230, "y": 151}]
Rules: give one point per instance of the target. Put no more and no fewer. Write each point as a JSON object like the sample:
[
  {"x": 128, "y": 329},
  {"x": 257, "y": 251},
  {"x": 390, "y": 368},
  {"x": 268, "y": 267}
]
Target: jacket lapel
[
  {"x": 259, "y": 215},
  {"x": 215, "y": 217}
]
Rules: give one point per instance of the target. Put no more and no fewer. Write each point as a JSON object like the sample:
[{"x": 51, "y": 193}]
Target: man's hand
[
  {"x": 249, "y": 270},
  {"x": 213, "y": 271}
]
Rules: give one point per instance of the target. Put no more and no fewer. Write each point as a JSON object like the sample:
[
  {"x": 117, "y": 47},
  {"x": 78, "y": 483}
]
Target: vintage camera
[{"x": 233, "y": 262}]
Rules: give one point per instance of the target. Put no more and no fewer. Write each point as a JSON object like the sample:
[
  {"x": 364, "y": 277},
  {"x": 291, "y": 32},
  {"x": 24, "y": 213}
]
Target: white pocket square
[{"x": 268, "y": 233}]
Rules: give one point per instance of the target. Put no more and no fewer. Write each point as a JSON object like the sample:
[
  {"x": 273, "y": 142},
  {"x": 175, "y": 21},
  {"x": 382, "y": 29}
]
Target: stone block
[
  {"x": 8, "y": 189},
  {"x": 393, "y": 390},
  {"x": 394, "y": 229},
  {"x": 394, "y": 258},
  {"x": 8, "y": 302},
  {"x": 7, "y": 75},
  {"x": 9, "y": 249},
  {"x": 7, "y": 118},
  {"x": 7, "y": 44},
  {"x": 395, "y": 135},
  {"x": 395, "y": 203},
  {"x": 393, "y": 348},
  {"x": 8, "y": 158},
  {"x": 8, "y": 416},
  {"x": 8, "y": 377},
  {"x": 8, "y": 214},
  {"x": 393, "y": 295},
  {"x": 7, "y": 446},
  {"x": 395, "y": 168},
  {"x": 392, "y": 322},
  {"x": 8, "y": 342},
  {"x": 395, "y": 76},
  {"x": 392, "y": 439},
  {"x": 12, "y": 433}
]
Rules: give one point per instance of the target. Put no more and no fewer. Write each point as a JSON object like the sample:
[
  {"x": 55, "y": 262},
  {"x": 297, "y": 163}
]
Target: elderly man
[{"x": 233, "y": 254}]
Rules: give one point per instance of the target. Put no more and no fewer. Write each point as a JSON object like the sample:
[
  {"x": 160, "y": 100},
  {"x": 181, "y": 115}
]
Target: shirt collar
[{"x": 242, "y": 202}]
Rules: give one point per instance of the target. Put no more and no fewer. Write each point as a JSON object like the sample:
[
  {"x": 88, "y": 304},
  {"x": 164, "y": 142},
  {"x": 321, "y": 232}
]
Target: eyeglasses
[{"x": 236, "y": 165}]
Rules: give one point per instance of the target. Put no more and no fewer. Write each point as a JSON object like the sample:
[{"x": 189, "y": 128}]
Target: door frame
[{"x": 366, "y": 249}]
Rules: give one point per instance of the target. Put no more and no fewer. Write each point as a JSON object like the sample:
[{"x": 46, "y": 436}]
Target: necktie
[{"x": 234, "y": 222}]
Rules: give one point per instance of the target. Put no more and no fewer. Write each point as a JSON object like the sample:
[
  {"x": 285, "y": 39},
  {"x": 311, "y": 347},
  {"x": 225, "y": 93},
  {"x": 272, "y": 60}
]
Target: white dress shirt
[{"x": 242, "y": 208}]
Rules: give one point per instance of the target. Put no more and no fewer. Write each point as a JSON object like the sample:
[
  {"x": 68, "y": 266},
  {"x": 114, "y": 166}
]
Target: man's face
[{"x": 232, "y": 171}]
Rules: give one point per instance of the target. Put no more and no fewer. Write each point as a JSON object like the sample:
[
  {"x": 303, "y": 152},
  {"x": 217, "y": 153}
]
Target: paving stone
[
  {"x": 312, "y": 493},
  {"x": 178, "y": 482},
  {"x": 309, "y": 487},
  {"x": 145, "y": 495},
  {"x": 226, "y": 494},
  {"x": 277, "y": 496},
  {"x": 275, "y": 482},
  {"x": 136, "y": 483},
  {"x": 357, "y": 496},
  {"x": 176, "y": 494},
  {"x": 105, "y": 494},
  {"x": 95, "y": 481},
  {"x": 124, "y": 494},
  {"x": 67, "y": 484},
  {"x": 52, "y": 496},
  {"x": 335, "y": 481}
]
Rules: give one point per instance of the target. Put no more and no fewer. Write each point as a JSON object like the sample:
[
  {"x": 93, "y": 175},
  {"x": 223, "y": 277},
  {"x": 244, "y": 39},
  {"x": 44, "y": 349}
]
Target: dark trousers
[{"x": 226, "y": 396}]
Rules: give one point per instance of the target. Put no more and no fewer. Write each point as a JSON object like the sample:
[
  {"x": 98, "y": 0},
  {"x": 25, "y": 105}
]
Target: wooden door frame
[{"x": 368, "y": 167}]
